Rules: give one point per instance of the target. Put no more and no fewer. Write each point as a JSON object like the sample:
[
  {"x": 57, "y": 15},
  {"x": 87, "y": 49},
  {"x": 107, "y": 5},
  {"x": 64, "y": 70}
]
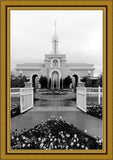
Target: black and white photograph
[{"x": 56, "y": 87}]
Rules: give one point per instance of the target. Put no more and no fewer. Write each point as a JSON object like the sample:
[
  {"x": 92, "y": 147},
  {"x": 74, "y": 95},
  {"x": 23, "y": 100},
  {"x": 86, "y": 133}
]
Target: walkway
[{"x": 44, "y": 109}]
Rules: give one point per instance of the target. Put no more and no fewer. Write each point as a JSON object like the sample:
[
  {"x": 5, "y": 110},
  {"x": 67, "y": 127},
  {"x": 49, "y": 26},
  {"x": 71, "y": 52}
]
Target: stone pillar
[
  {"x": 81, "y": 84},
  {"x": 28, "y": 85}
]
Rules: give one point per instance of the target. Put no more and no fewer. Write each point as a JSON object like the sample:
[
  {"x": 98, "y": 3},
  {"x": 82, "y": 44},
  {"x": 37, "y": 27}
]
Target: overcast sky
[{"x": 79, "y": 33}]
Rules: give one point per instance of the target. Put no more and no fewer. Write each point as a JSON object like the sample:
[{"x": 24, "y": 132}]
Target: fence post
[
  {"x": 99, "y": 95},
  {"x": 81, "y": 97},
  {"x": 85, "y": 91},
  {"x": 21, "y": 100},
  {"x": 26, "y": 97}
]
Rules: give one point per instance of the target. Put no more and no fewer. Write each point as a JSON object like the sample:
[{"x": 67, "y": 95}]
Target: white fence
[
  {"x": 84, "y": 93},
  {"x": 81, "y": 98},
  {"x": 95, "y": 92},
  {"x": 26, "y": 97}
]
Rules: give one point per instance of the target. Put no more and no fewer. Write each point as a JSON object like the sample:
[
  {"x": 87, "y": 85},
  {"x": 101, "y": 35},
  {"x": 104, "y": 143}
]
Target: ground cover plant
[
  {"x": 54, "y": 93},
  {"x": 95, "y": 110},
  {"x": 15, "y": 110},
  {"x": 55, "y": 133}
]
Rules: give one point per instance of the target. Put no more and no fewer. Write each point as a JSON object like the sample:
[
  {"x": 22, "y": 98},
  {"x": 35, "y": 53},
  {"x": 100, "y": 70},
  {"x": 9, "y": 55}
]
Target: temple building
[{"x": 55, "y": 67}]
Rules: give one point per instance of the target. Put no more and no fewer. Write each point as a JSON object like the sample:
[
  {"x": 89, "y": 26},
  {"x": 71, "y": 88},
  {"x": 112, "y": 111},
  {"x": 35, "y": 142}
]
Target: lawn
[
  {"x": 93, "y": 100},
  {"x": 15, "y": 100}
]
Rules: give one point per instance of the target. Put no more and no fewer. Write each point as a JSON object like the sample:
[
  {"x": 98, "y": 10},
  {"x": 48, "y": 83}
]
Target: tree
[
  {"x": 49, "y": 83},
  {"x": 61, "y": 83},
  {"x": 18, "y": 81},
  {"x": 43, "y": 81},
  {"x": 87, "y": 80},
  {"x": 67, "y": 81},
  {"x": 99, "y": 80}
]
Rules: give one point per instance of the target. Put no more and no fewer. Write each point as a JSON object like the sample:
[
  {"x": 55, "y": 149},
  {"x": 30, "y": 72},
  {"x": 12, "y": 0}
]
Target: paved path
[
  {"x": 44, "y": 109},
  {"x": 79, "y": 119},
  {"x": 55, "y": 108}
]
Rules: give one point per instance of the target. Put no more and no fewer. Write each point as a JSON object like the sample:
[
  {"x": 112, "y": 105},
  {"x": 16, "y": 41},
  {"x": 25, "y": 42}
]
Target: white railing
[
  {"x": 83, "y": 93},
  {"x": 95, "y": 92},
  {"x": 15, "y": 91},
  {"x": 81, "y": 98},
  {"x": 26, "y": 97}
]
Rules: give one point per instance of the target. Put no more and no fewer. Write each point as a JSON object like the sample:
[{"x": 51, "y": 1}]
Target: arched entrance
[
  {"x": 55, "y": 80},
  {"x": 74, "y": 81},
  {"x": 35, "y": 81}
]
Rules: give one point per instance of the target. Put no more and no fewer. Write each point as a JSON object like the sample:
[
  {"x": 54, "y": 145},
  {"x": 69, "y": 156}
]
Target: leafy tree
[
  {"x": 43, "y": 81},
  {"x": 61, "y": 83},
  {"x": 49, "y": 83},
  {"x": 67, "y": 81},
  {"x": 99, "y": 80},
  {"x": 18, "y": 81},
  {"x": 87, "y": 80}
]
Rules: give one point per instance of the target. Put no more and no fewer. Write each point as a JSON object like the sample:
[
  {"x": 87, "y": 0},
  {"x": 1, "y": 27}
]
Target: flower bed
[
  {"x": 95, "y": 110},
  {"x": 15, "y": 110},
  {"x": 55, "y": 133},
  {"x": 54, "y": 93}
]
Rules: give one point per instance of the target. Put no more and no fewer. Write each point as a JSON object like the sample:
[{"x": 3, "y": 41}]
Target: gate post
[
  {"x": 81, "y": 97},
  {"x": 99, "y": 95},
  {"x": 26, "y": 97}
]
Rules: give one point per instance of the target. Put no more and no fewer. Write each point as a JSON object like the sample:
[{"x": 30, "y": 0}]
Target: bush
[
  {"x": 95, "y": 110},
  {"x": 43, "y": 81},
  {"x": 15, "y": 110},
  {"x": 55, "y": 133},
  {"x": 67, "y": 81},
  {"x": 18, "y": 81}
]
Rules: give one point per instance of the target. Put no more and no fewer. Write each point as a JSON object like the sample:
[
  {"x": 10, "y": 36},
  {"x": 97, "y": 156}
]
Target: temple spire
[
  {"x": 55, "y": 42},
  {"x": 55, "y": 27}
]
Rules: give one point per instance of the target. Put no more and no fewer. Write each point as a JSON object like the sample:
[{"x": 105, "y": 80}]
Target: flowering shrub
[
  {"x": 95, "y": 110},
  {"x": 55, "y": 133},
  {"x": 15, "y": 110}
]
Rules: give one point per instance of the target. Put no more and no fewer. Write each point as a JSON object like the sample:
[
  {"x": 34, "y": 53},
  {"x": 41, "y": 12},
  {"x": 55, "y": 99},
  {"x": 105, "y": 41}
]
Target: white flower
[
  {"x": 86, "y": 148},
  {"x": 74, "y": 140},
  {"x": 82, "y": 146},
  {"x": 85, "y": 131},
  {"x": 39, "y": 139},
  {"x": 75, "y": 135},
  {"x": 23, "y": 137},
  {"x": 67, "y": 135},
  {"x": 28, "y": 145},
  {"x": 72, "y": 144},
  {"x": 41, "y": 145},
  {"x": 23, "y": 145},
  {"x": 63, "y": 140},
  {"x": 100, "y": 141},
  {"x": 67, "y": 147},
  {"x": 78, "y": 144}
]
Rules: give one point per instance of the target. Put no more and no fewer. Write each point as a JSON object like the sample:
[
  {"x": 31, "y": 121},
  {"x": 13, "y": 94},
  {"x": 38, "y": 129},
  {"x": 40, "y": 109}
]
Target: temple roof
[
  {"x": 79, "y": 65},
  {"x": 30, "y": 65}
]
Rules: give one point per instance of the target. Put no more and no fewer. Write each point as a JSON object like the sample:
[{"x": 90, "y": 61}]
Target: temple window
[{"x": 55, "y": 63}]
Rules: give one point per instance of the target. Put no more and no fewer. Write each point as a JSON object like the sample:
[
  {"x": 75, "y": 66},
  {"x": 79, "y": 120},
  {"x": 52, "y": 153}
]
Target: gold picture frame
[{"x": 107, "y": 151}]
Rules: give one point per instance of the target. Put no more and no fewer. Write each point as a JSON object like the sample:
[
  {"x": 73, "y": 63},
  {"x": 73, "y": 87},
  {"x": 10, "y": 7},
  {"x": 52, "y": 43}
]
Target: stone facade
[{"x": 55, "y": 67}]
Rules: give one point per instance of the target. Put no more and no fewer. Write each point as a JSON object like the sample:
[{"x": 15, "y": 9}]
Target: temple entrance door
[{"x": 55, "y": 80}]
